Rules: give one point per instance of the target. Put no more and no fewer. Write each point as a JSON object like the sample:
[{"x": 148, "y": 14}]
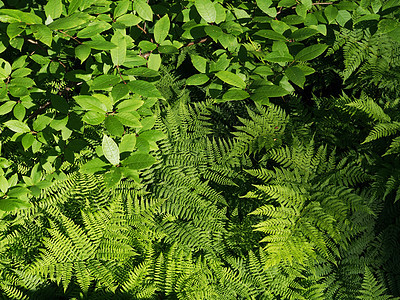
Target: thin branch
[
  {"x": 70, "y": 36},
  {"x": 39, "y": 110},
  {"x": 120, "y": 75}
]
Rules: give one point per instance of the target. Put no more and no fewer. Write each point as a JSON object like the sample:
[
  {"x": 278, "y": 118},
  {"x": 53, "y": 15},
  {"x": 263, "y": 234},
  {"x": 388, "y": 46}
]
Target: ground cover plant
[{"x": 199, "y": 149}]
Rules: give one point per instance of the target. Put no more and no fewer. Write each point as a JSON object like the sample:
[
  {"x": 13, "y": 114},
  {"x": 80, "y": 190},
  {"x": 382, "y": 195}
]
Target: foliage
[{"x": 200, "y": 149}]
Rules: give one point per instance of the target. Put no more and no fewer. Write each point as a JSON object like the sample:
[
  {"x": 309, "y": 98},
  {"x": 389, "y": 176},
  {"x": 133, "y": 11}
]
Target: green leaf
[
  {"x": 100, "y": 45},
  {"x": 93, "y": 166},
  {"x": 19, "y": 111},
  {"x": 18, "y": 91},
  {"x": 53, "y": 9},
  {"x": 10, "y": 204},
  {"x": 119, "y": 91},
  {"x": 114, "y": 126},
  {"x": 128, "y": 119},
  {"x": 3, "y": 184},
  {"x": 82, "y": 52},
  {"x": 129, "y": 105},
  {"x": 93, "y": 29},
  {"x": 311, "y": 52},
  {"x": 42, "y": 33},
  {"x": 15, "y": 29},
  {"x": 7, "y": 107},
  {"x": 144, "y": 88},
  {"x": 104, "y": 82},
  {"x": 197, "y": 79},
  {"x": 70, "y": 22},
  {"x": 113, "y": 177},
  {"x": 110, "y": 150},
  {"x": 91, "y": 103},
  {"x": 296, "y": 76},
  {"x": 303, "y": 33},
  {"x": 142, "y": 71},
  {"x": 278, "y": 57},
  {"x": 331, "y": 13},
  {"x": 138, "y": 161},
  {"x": 93, "y": 117},
  {"x": 161, "y": 29},
  {"x": 264, "y": 5},
  {"x": 128, "y": 143},
  {"x": 121, "y": 8},
  {"x": 271, "y": 91},
  {"x": 129, "y": 20},
  {"x": 235, "y": 95},
  {"x": 231, "y": 79},
  {"x": 118, "y": 54},
  {"x": 206, "y": 10},
  {"x": 154, "y": 61},
  {"x": 17, "y": 126},
  {"x": 144, "y": 10},
  {"x": 199, "y": 62},
  {"x": 27, "y": 141},
  {"x": 168, "y": 49}
]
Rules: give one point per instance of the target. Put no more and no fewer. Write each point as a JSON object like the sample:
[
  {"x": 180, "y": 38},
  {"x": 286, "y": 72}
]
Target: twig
[
  {"x": 39, "y": 110},
  {"x": 70, "y": 36},
  {"x": 120, "y": 75}
]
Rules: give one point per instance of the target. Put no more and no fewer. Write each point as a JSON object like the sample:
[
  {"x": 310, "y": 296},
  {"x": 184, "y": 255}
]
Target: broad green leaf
[
  {"x": 161, "y": 29},
  {"x": 311, "y": 52},
  {"x": 27, "y": 141},
  {"x": 15, "y": 29},
  {"x": 18, "y": 91},
  {"x": 74, "y": 5},
  {"x": 114, "y": 126},
  {"x": 264, "y": 5},
  {"x": 142, "y": 71},
  {"x": 197, "y": 79},
  {"x": 113, "y": 177},
  {"x": 129, "y": 105},
  {"x": 17, "y": 126},
  {"x": 331, "y": 13},
  {"x": 3, "y": 184},
  {"x": 128, "y": 119},
  {"x": 118, "y": 54},
  {"x": 270, "y": 34},
  {"x": 93, "y": 166},
  {"x": 82, "y": 52},
  {"x": 42, "y": 33},
  {"x": 121, "y": 8},
  {"x": 234, "y": 95},
  {"x": 19, "y": 111},
  {"x": 303, "y": 33},
  {"x": 119, "y": 91},
  {"x": 10, "y": 204},
  {"x": 206, "y": 10},
  {"x": 20, "y": 16},
  {"x": 343, "y": 17},
  {"x": 128, "y": 143},
  {"x": 72, "y": 21},
  {"x": 154, "y": 61},
  {"x": 53, "y": 9},
  {"x": 100, "y": 45},
  {"x": 231, "y": 79},
  {"x": 287, "y": 3},
  {"x": 271, "y": 91},
  {"x": 22, "y": 72},
  {"x": 144, "y": 88},
  {"x": 129, "y": 20},
  {"x": 199, "y": 62},
  {"x": 93, "y": 29},
  {"x": 104, "y": 82},
  {"x": 110, "y": 150},
  {"x": 296, "y": 76},
  {"x": 5, "y": 69},
  {"x": 138, "y": 161},
  {"x": 7, "y": 107},
  {"x": 168, "y": 49},
  {"x": 144, "y": 10},
  {"x": 91, "y": 103},
  {"x": 93, "y": 117},
  {"x": 278, "y": 57}
]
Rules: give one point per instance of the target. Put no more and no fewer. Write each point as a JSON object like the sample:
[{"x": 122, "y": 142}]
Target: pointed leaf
[
  {"x": 17, "y": 126},
  {"x": 144, "y": 10},
  {"x": 110, "y": 150},
  {"x": 311, "y": 52},
  {"x": 118, "y": 54},
  {"x": 161, "y": 29},
  {"x": 296, "y": 75},
  {"x": 231, "y": 79},
  {"x": 138, "y": 161},
  {"x": 53, "y": 9},
  {"x": 206, "y": 10},
  {"x": 144, "y": 88}
]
